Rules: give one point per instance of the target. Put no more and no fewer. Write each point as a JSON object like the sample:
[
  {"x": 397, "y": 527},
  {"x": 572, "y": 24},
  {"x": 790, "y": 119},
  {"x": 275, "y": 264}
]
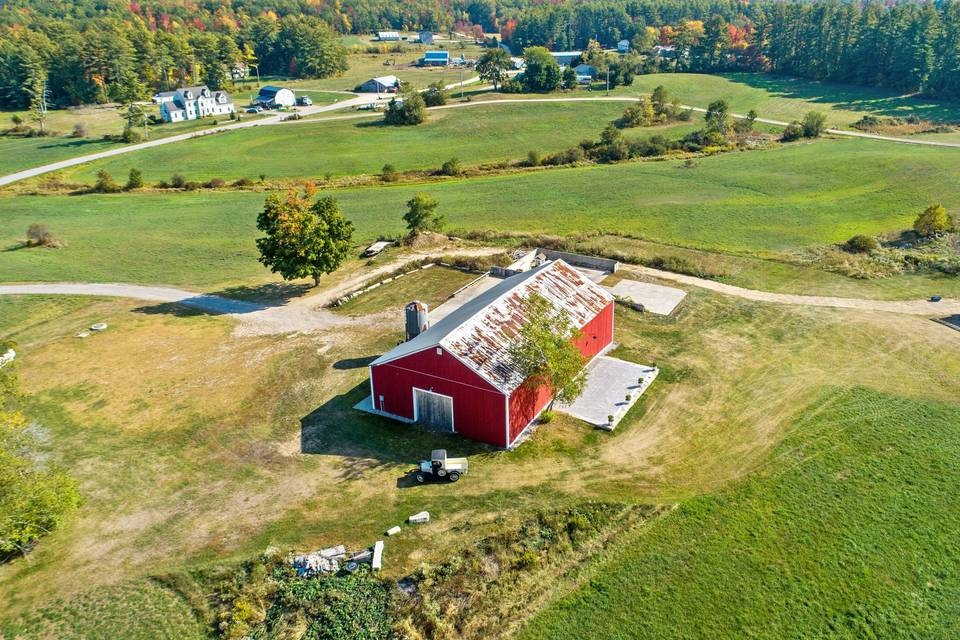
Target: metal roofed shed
[{"x": 457, "y": 374}]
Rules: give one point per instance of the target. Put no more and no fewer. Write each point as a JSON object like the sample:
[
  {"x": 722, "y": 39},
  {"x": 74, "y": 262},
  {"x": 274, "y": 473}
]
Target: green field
[
  {"x": 475, "y": 134},
  {"x": 785, "y": 98},
  {"x": 756, "y": 202},
  {"x": 849, "y": 531}
]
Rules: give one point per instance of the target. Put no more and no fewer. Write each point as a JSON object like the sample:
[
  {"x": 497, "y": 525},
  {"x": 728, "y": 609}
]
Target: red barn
[{"x": 457, "y": 374}]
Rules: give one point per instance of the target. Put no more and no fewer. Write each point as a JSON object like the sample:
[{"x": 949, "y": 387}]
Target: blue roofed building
[{"x": 435, "y": 59}]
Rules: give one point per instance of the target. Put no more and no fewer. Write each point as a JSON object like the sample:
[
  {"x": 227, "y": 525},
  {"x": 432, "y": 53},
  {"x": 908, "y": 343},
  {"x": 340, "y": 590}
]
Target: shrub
[
  {"x": 792, "y": 132},
  {"x": 452, "y": 167},
  {"x": 16, "y": 119},
  {"x": 131, "y": 136},
  {"x": 263, "y": 178},
  {"x": 243, "y": 182},
  {"x": 546, "y": 417},
  {"x": 435, "y": 95},
  {"x": 39, "y": 236},
  {"x": 134, "y": 180},
  {"x": 862, "y": 244},
  {"x": 215, "y": 183},
  {"x": 105, "y": 183},
  {"x": 410, "y": 109},
  {"x": 511, "y": 86},
  {"x": 533, "y": 158},
  {"x": 814, "y": 124},
  {"x": 79, "y": 130},
  {"x": 528, "y": 559},
  {"x": 191, "y": 185},
  {"x": 389, "y": 173},
  {"x": 177, "y": 181},
  {"x": 932, "y": 221}
]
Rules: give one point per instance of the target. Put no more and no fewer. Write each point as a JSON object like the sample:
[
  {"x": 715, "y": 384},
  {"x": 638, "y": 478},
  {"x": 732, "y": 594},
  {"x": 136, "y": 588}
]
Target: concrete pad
[
  {"x": 655, "y": 298},
  {"x": 609, "y": 380}
]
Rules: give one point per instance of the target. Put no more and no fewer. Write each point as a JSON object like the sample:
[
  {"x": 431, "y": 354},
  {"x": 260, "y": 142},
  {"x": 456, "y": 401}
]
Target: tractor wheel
[
  {"x": 454, "y": 476},
  {"x": 420, "y": 478}
]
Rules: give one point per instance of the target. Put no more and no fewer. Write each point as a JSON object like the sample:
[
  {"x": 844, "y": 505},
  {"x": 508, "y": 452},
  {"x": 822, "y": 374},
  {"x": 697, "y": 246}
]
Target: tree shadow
[
  {"x": 367, "y": 124},
  {"x": 270, "y": 293},
  {"x": 874, "y": 100},
  {"x": 367, "y": 442},
  {"x": 18, "y": 247},
  {"x": 73, "y": 143}
]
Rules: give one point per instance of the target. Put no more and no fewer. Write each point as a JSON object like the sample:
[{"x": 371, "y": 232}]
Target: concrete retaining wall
[{"x": 578, "y": 260}]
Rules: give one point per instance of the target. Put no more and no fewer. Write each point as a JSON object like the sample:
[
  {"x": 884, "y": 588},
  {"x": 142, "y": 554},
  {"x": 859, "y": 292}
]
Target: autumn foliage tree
[
  {"x": 303, "y": 239},
  {"x": 543, "y": 351}
]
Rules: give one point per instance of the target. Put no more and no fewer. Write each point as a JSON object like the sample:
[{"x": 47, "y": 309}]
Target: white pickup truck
[{"x": 439, "y": 466}]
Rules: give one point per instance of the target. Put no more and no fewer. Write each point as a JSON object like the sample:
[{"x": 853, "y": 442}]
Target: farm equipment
[{"x": 440, "y": 467}]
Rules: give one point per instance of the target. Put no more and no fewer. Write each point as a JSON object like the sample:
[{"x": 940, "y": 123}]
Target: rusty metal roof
[{"x": 479, "y": 333}]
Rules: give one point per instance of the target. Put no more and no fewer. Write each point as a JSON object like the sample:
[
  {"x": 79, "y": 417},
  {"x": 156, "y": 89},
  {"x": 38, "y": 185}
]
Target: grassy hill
[
  {"x": 756, "y": 202},
  {"x": 847, "y": 532},
  {"x": 475, "y": 134},
  {"x": 785, "y": 98}
]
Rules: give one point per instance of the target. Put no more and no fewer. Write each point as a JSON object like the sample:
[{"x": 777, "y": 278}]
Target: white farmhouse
[{"x": 191, "y": 103}]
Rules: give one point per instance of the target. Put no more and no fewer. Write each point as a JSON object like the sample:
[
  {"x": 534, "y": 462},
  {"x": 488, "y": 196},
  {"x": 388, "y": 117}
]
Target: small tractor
[{"x": 440, "y": 467}]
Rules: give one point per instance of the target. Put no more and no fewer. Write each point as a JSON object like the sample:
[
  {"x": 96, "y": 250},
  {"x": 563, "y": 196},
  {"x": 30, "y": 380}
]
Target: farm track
[
  {"x": 306, "y": 313},
  {"x": 360, "y": 100},
  {"x": 301, "y": 314}
]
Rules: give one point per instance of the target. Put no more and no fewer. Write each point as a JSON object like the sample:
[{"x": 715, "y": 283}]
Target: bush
[
  {"x": 814, "y": 124},
  {"x": 243, "y": 182},
  {"x": 177, "y": 181},
  {"x": 105, "y": 183},
  {"x": 862, "y": 244},
  {"x": 546, "y": 417},
  {"x": 511, "y": 86},
  {"x": 528, "y": 559},
  {"x": 39, "y": 236},
  {"x": 389, "y": 173},
  {"x": 435, "y": 95},
  {"x": 932, "y": 221},
  {"x": 792, "y": 133},
  {"x": 131, "y": 136},
  {"x": 134, "y": 180},
  {"x": 79, "y": 130},
  {"x": 215, "y": 183},
  {"x": 409, "y": 109},
  {"x": 191, "y": 186},
  {"x": 452, "y": 167},
  {"x": 533, "y": 158}
]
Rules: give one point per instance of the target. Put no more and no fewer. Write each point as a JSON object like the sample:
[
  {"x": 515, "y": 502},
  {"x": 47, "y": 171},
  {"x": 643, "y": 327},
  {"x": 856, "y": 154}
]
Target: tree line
[
  {"x": 98, "y": 60},
  {"x": 908, "y": 46}
]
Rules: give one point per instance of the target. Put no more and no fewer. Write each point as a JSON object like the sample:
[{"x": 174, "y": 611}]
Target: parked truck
[{"x": 440, "y": 467}]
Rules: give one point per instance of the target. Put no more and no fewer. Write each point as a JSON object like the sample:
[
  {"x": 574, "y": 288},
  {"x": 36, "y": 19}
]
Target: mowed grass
[
  {"x": 474, "y": 134},
  {"x": 762, "y": 202},
  {"x": 849, "y": 531},
  {"x": 431, "y": 286},
  {"x": 785, "y": 98}
]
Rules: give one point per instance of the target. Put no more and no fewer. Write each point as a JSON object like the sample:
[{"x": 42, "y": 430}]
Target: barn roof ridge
[{"x": 478, "y": 333}]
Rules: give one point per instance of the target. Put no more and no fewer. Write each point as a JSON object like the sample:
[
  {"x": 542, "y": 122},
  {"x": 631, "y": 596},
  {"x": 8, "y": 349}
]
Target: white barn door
[{"x": 433, "y": 410}]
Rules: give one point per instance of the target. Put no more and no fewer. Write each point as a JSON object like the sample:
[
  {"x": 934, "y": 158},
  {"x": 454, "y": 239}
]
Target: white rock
[{"x": 392, "y": 531}]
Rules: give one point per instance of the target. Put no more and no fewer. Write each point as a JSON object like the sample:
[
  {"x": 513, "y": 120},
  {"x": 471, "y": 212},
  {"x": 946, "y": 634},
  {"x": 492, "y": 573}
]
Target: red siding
[
  {"x": 526, "y": 403},
  {"x": 478, "y": 407}
]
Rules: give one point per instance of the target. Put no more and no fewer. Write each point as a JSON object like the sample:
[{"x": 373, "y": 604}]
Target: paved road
[
  {"x": 305, "y": 313},
  {"x": 366, "y": 99},
  {"x": 277, "y": 119}
]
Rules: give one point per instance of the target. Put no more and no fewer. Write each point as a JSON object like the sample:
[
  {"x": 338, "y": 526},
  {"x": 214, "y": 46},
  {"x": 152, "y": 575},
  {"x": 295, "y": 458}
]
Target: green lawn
[
  {"x": 849, "y": 531},
  {"x": 784, "y": 98},
  {"x": 475, "y": 134},
  {"x": 756, "y": 202},
  {"x": 432, "y": 286}
]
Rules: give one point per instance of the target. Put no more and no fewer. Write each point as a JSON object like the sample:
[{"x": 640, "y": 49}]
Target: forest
[{"x": 113, "y": 51}]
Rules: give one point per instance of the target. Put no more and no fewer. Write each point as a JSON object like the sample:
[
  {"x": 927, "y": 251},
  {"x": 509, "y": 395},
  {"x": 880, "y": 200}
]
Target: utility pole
[{"x": 461, "y": 83}]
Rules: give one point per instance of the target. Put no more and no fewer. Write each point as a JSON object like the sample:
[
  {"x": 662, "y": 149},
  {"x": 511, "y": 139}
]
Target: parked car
[
  {"x": 304, "y": 101},
  {"x": 253, "y": 110}
]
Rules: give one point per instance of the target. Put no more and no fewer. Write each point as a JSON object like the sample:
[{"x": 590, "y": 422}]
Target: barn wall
[
  {"x": 527, "y": 402},
  {"x": 478, "y": 407}
]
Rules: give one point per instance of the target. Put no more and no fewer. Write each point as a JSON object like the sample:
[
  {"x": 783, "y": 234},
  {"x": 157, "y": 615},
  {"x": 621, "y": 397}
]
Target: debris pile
[{"x": 326, "y": 561}]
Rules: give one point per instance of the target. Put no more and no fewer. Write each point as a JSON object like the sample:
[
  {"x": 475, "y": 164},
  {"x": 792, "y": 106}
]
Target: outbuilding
[
  {"x": 382, "y": 84},
  {"x": 435, "y": 59},
  {"x": 274, "y": 96},
  {"x": 426, "y": 37},
  {"x": 388, "y": 36},
  {"x": 457, "y": 375}
]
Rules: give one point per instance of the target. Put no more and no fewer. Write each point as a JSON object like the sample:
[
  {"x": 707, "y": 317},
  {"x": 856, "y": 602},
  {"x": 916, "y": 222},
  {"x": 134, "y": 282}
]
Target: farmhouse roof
[
  {"x": 195, "y": 89},
  {"x": 270, "y": 90},
  {"x": 387, "y": 81},
  {"x": 480, "y": 332}
]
